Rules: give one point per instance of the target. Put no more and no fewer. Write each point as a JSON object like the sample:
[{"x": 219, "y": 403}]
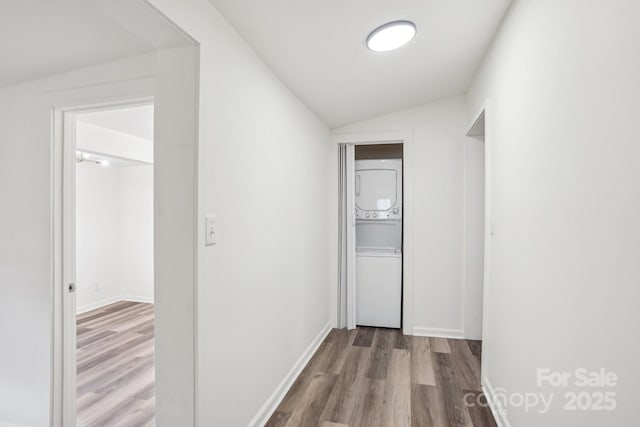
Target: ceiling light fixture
[
  {"x": 81, "y": 157},
  {"x": 391, "y": 36}
]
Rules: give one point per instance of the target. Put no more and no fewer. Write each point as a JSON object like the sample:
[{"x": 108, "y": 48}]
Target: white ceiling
[
  {"x": 43, "y": 37},
  {"x": 136, "y": 121},
  {"x": 318, "y": 49}
]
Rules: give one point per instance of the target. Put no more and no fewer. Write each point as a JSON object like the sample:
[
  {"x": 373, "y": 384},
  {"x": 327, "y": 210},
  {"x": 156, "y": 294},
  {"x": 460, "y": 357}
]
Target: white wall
[
  {"x": 26, "y": 263},
  {"x": 263, "y": 172},
  {"x": 136, "y": 228},
  {"x": 98, "y": 236},
  {"x": 562, "y": 79},
  {"x": 175, "y": 183},
  {"x": 439, "y": 142},
  {"x": 114, "y": 234}
]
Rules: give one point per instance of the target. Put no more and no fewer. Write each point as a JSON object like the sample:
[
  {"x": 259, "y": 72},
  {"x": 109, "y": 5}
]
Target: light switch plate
[{"x": 210, "y": 230}]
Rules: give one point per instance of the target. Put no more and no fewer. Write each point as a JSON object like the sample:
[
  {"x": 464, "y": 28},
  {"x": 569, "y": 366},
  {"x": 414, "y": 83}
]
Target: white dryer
[{"x": 378, "y": 189}]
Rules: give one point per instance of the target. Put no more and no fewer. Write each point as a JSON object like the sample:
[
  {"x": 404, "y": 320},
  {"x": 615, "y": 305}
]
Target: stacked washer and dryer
[{"x": 378, "y": 199}]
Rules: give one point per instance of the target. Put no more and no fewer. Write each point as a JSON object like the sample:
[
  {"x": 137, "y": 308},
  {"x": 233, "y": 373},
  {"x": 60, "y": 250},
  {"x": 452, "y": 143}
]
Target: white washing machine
[
  {"x": 378, "y": 189},
  {"x": 378, "y": 287}
]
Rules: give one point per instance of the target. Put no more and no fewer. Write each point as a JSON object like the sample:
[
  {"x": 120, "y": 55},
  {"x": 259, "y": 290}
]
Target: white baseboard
[
  {"x": 280, "y": 392},
  {"x": 112, "y": 300},
  {"x": 499, "y": 413},
  {"x": 135, "y": 298},
  {"x": 438, "y": 332},
  {"x": 97, "y": 304}
]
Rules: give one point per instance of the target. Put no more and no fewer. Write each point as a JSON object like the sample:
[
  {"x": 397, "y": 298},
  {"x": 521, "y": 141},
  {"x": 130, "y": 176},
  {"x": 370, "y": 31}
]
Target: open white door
[
  {"x": 347, "y": 238},
  {"x": 351, "y": 236}
]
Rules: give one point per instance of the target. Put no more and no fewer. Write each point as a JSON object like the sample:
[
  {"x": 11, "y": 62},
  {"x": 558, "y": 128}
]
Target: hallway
[{"x": 379, "y": 377}]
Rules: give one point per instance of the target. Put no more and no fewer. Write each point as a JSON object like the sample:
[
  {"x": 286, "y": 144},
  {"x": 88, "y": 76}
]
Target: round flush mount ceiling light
[{"x": 391, "y": 36}]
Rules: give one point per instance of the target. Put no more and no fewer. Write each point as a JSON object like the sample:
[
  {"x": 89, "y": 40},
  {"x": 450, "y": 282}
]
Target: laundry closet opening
[
  {"x": 372, "y": 234},
  {"x": 378, "y": 198}
]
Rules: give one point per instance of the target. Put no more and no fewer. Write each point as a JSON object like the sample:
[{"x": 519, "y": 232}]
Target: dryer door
[{"x": 377, "y": 189}]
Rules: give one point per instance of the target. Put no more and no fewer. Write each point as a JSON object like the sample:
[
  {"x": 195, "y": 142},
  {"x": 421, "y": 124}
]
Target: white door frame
[
  {"x": 481, "y": 126},
  {"x": 64, "y": 252},
  {"x": 405, "y": 138}
]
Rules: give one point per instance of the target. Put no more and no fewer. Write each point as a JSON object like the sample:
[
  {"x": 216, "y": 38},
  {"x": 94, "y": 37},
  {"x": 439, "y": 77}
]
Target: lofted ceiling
[
  {"x": 135, "y": 121},
  {"x": 39, "y": 38},
  {"x": 318, "y": 49}
]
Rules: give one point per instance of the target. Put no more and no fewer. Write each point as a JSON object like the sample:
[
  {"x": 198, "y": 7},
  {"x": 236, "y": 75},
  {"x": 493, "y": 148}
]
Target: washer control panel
[{"x": 394, "y": 213}]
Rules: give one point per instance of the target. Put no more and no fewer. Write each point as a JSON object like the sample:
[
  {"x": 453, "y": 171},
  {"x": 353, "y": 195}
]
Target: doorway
[
  {"x": 109, "y": 248},
  {"x": 478, "y": 231},
  {"x": 474, "y": 214},
  {"x": 374, "y": 148},
  {"x": 378, "y": 209}
]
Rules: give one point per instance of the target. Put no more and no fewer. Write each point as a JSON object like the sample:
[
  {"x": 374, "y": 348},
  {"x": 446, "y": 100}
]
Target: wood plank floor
[
  {"x": 374, "y": 377},
  {"x": 115, "y": 366}
]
